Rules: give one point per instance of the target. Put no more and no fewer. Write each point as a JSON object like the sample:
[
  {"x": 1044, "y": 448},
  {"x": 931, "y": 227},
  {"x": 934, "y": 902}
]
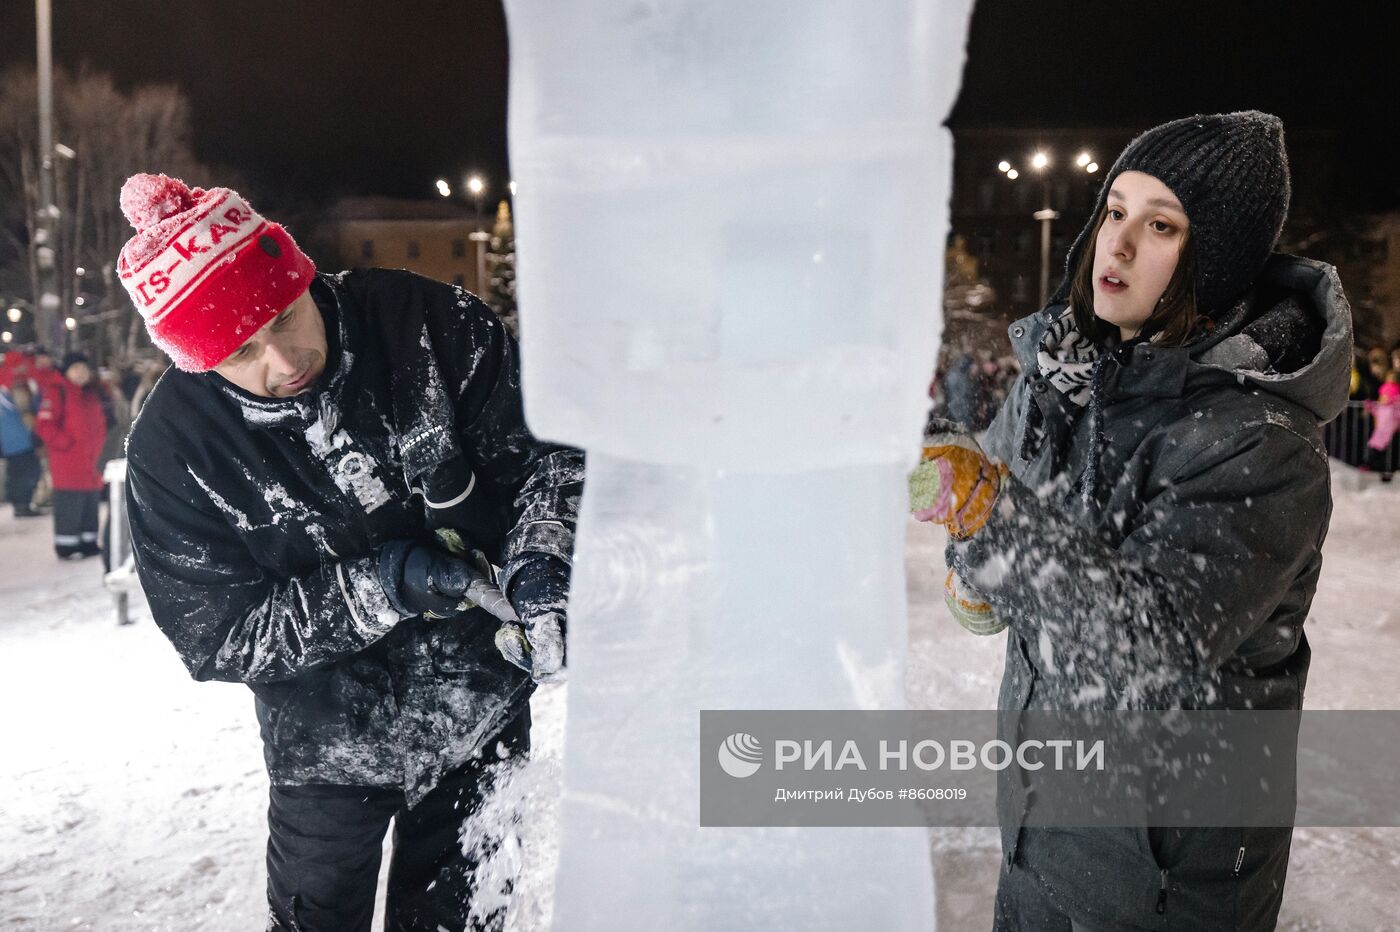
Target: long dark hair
[{"x": 1176, "y": 319}]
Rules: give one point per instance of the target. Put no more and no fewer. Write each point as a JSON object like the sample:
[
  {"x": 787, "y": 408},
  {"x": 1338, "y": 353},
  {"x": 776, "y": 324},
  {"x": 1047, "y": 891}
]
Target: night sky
[{"x": 383, "y": 98}]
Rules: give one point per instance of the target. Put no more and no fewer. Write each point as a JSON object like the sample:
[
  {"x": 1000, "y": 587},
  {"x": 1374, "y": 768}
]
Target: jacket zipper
[
  {"x": 1239, "y": 860},
  {"x": 1162, "y": 896}
]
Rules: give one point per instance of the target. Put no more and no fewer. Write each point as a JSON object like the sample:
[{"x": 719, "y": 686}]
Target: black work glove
[
  {"x": 540, "y": 595},
  {"x": 420, "y": 579}
]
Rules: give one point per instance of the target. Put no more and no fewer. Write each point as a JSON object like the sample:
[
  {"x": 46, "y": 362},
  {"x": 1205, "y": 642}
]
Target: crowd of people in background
[
  {"x": 970, "y": 387},
  {"x": 1367, "y": 435},
  {"x": 61, "y": 420}
]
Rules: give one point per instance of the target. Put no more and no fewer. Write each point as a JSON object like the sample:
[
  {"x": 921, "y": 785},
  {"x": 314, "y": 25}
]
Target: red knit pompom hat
[{"x": 204, "y": 270}]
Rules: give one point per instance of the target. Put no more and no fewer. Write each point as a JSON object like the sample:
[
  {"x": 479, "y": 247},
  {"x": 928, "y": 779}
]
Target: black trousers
[
  {"x": 75, "y": 523},
  {"x": 21, "y": 478},
  {"x": 1381, "y": 461},
  {"x": 324, "y": 844}
]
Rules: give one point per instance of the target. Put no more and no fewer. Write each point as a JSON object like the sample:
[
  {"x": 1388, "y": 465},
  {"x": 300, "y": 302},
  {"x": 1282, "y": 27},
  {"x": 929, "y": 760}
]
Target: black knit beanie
[
  {"x": 74, "y": 357},
  {"x": 1230, "y": 172}
]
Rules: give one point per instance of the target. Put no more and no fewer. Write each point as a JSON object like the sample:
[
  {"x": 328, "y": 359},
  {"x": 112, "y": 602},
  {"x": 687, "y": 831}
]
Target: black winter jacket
[
  {"x": 1182, "y": 580},
  {"x": 256, "y": 524}
]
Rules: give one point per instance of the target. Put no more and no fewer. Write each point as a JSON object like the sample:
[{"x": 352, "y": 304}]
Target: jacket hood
[{"x": 1290, "y": 335}]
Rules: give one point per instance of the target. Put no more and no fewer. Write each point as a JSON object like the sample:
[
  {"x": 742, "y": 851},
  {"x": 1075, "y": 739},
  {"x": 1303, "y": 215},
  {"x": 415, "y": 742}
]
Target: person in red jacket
[
  {"x": 41, "y": 370},
  {"x": 15, "y": 368},
  {"x": 73, "y": 426}
]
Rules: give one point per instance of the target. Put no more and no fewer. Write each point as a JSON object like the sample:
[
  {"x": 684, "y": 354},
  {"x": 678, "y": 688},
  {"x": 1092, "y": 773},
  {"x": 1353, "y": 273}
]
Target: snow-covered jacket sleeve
[
  {"x": 543, "y": 479},
  {"x": 1222, "y": 539},
  {"x": 51, "y": 422},
  {"x": 226, "y": 616}
]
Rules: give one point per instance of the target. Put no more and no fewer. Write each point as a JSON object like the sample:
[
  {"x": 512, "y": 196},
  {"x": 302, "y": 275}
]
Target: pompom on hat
[
  {"x": 1230, "y": 172},
  {"x": 205, "y": 271}
]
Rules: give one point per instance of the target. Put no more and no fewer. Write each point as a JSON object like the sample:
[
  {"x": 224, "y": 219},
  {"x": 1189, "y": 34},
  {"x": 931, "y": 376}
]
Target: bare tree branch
[{"x": 116, "y": 134}]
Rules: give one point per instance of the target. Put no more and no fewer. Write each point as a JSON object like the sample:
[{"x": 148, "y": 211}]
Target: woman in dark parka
[{"x": 1147, "y": 518}]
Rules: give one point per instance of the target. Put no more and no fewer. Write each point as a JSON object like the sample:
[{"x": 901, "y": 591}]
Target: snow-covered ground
[{"x": 132, "y": 798}]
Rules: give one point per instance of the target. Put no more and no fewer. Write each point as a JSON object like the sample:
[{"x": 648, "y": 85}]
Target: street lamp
[
  {"x": 1046, "y": 216},
  {"x": 443, "y": 188},
  {"x": 1040, "y": 161},
  {"x": 477, "y": 188}
]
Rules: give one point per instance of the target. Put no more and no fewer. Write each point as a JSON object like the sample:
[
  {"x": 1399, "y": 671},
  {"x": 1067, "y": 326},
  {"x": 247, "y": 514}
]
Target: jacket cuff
[
  {"x": 364, "y": 595},
  {"x": 538, "y": 538}
]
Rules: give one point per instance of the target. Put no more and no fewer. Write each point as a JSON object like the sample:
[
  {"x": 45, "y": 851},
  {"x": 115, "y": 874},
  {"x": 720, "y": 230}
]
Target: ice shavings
[
  {"x": 264, "y": 416},
  {"x": 281, "y": 504},
  {"x": 353, "y": 471},
  {"x": 359, "y": 583},
  {"x": 238, "y": 517},
  {"x": 477, "y": 355},
  {"x": 322, "y": 434}
]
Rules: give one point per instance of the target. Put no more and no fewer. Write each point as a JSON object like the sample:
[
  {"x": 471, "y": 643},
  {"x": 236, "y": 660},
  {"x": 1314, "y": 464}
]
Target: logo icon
[{"x": 740, "y": 755}]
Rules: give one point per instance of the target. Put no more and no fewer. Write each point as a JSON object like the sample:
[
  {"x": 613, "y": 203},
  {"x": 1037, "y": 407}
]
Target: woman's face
[{"x": 1136, "y": 250}]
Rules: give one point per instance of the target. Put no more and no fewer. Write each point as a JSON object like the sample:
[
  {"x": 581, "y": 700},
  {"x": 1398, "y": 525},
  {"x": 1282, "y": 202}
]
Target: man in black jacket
[{"x": 332, "y": 463}]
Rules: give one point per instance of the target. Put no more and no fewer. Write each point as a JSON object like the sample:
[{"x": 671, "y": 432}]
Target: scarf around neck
[{"x": 1067, "y": 358}]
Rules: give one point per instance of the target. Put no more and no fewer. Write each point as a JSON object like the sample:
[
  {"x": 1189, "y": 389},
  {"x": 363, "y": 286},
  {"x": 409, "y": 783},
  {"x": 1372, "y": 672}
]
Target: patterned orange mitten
[{"x": 955, "y": 484}]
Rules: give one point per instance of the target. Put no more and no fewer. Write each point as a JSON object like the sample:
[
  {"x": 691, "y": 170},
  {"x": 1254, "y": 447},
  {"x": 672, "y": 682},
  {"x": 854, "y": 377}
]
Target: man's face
[{"x": 285, "y": 357}]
